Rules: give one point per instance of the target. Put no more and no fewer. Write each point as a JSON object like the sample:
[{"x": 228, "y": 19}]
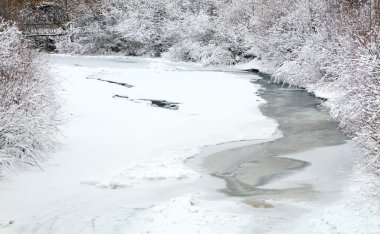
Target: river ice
[{"x": 121, "y": 166}]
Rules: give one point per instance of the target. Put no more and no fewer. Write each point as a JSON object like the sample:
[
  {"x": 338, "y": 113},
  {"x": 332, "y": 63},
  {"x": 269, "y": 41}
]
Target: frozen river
[{"x": 133, "y": 122}]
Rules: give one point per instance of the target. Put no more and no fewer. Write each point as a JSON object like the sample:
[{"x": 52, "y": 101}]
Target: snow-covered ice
[
  {"x": 121, "y": 168},
  {"x": 357, "y": 211}
]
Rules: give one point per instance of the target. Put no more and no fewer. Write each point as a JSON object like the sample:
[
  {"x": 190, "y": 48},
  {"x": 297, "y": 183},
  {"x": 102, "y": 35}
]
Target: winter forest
[{"x": 330, "y": 48}]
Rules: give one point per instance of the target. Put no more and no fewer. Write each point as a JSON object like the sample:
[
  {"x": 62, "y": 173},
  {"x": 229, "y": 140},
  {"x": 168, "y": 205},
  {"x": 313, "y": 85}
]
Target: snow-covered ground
[
  {"x": 121, "y": 166},
  {"x": 356, "y": 212}
]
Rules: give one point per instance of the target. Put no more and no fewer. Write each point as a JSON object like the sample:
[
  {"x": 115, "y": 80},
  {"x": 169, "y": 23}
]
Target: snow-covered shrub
[
  {"x": 358, "y": 103},
  {"x": 88, "y": 36},
  {"x": 28, "y": 103},
  {"x": 193, "y": 51}
]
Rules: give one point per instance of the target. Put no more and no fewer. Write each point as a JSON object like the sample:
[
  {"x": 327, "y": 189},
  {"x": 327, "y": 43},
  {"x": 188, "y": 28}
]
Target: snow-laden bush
[
  {"x": 81, "y": 40},
  {"x": 28, "y": 103},
  {"x": 358, "y": 104},
  {"x": 194, "y": 51}
]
